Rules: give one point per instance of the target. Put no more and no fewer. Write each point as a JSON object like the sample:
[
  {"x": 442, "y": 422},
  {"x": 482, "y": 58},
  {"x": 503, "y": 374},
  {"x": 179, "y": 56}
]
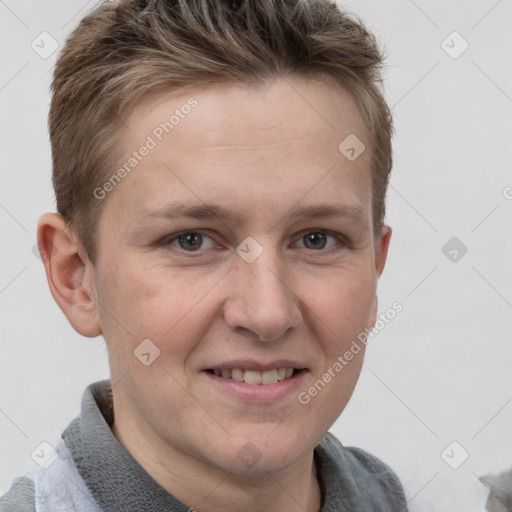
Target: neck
[{"x": 208, "y": 488}]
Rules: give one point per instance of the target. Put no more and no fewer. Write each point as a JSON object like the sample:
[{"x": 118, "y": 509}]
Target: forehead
[
  {"x": 246, "y": 146},
  {"x": 248, "y": 115}
]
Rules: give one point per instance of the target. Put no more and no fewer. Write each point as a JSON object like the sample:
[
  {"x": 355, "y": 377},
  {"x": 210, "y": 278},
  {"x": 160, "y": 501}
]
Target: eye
[
  {"x": 190, "y": 241},
  {"x": 318, "y": 240}
]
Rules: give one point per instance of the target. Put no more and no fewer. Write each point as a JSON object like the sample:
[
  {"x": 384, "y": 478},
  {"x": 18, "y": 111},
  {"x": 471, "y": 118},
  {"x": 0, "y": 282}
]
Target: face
[{"x": 240, "y": 246}]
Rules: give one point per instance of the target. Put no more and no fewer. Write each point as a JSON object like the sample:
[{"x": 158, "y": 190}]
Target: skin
[{"x": 259, "y": 151}]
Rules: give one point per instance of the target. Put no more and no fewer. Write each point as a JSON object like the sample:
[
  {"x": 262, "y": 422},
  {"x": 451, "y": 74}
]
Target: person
[{"x": 220, "y": 170}]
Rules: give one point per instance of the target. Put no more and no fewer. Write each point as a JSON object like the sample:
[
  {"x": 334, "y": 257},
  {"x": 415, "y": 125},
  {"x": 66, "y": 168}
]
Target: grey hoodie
[{"x": 94, "y": 473}]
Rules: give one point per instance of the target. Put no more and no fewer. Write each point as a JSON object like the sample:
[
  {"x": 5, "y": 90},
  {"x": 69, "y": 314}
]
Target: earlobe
[{"x": 69, "y": 272}]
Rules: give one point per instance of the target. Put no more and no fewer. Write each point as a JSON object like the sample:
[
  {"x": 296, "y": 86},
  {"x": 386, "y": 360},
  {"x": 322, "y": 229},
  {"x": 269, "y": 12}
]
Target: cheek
[
  {"x": 343, "y": 314},
  {"x": 341, "y": 310},
  {"x": 343, "y": 301},
  {"x": 156, "y": 302},
  {"x": 342, "y": 385}
]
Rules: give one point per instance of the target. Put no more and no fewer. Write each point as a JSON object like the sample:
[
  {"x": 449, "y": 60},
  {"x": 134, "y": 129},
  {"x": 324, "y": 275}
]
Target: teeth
[
  {"x": 269, "y": 377},
  {"x": 252, "y": 377},
  {"x": 237, "y": 374},
  {"x": 256, "y": 377}
]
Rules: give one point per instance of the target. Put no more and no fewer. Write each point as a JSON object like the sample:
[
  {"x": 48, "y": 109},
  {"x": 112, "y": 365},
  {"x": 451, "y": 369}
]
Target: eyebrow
[{"x": 231, "y": 216}]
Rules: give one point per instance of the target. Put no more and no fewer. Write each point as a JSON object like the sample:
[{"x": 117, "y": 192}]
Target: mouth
[
  {"x": 255, "y": 381},
  {"x": 266, "y": 377}
]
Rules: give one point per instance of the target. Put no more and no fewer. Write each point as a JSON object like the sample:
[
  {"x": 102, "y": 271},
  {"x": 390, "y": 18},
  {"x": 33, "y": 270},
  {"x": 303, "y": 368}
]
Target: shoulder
[
  {"x": 20, "y": 497},
  {"x": 359, "y": 476}
]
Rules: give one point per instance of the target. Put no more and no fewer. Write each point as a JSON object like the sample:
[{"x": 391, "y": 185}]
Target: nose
[{"x": 261, "y": 300}]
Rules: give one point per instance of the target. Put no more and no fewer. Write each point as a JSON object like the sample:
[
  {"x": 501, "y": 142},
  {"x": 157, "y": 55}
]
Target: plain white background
[{"x": 440, "y": 371}]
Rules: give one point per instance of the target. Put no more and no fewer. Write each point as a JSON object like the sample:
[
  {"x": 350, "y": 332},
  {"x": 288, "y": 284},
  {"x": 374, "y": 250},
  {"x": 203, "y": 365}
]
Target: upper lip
[{"x": 251, "y": 364}]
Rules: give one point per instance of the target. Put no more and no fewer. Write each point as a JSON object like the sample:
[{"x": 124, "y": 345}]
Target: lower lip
[{"x": 258, "y": 393}]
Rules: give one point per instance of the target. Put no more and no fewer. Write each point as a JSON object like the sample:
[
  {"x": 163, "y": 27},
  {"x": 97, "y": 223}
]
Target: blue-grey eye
[
  {"x": 190, "y": 241},
  {"x": 315, "y": 240}
]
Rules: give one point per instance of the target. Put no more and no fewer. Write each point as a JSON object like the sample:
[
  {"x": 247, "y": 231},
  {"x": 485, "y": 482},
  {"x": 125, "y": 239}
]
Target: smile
[{"x": 254, "y": 376}]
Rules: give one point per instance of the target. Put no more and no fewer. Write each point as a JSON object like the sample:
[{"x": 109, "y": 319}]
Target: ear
[
  {"x": 70, "y": 273},
  {"x": 381, "y": 254}
]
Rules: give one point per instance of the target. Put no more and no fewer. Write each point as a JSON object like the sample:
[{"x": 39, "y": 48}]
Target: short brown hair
[{"x": 126, "y": 49}]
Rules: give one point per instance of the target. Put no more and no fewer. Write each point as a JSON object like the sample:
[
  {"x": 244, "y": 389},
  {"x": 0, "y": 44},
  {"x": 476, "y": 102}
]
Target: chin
[{"x": 262, "y": 453}]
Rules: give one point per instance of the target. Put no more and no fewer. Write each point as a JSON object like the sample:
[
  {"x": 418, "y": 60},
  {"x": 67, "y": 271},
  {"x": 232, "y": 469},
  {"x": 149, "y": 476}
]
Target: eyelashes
[
  {"x": 314, "y": 240},
  {"x": 195, "y": 238}
]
